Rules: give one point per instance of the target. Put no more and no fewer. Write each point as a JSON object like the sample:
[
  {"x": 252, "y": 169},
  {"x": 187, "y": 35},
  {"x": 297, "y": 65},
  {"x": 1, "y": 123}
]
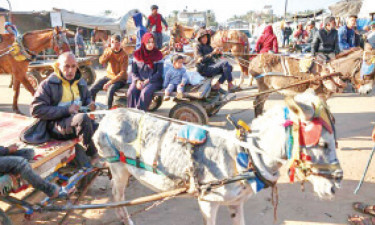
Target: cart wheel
[
  {"x": 34, "y": 78},
  {"x": 190, "y": 112},
  {"x": 4, "y": 219},
  {"x": 155, "y": 103},
  {"x": 88, "y": 74}
]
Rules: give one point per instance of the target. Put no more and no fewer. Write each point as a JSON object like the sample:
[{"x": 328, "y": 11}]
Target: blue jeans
[
  {"x": 18, "y": 165},
  {"x": 158, "y": 39},
  {"x": 221, "y": 67},
  {"x": 98, "y": 86},
  {"x": 172, "y": 87}
]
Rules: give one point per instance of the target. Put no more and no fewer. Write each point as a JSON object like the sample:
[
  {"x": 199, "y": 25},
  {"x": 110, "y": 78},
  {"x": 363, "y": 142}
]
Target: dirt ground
[{"x": 354, "y": 122}]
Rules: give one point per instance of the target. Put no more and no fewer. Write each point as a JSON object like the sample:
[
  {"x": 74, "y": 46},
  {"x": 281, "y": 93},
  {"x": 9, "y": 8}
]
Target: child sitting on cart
[
  {"x": 14, "y": 161},
  {"x": 175, "y": 78}
]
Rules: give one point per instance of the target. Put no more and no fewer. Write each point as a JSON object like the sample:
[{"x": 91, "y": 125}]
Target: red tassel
[
  {"x": 292, "y": 173},
  {"x": 122, "y": 157}
]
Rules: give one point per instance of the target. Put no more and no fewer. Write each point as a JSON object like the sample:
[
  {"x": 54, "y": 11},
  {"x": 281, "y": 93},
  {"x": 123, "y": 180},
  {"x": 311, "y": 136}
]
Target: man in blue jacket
[
  {"x": 347, "y": 36},
  {"x": 141, "y": 30}
]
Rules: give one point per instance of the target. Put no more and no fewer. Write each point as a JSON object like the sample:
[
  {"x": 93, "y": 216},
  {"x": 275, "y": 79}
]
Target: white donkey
[{"x": 151, "y": 139}]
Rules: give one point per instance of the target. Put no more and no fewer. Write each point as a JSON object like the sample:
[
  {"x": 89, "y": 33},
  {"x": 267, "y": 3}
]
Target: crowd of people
[{"x": 329, "y": 39}]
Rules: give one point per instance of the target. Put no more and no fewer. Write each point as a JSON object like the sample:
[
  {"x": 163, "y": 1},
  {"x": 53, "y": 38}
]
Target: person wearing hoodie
[
  {"x": 117, "y": 75},
  {"x": 208, "y": 65},
  {"x": 56, "y": 105},
  {"x": 267, "y": 41},
  {"x": 141, "y": 30}
]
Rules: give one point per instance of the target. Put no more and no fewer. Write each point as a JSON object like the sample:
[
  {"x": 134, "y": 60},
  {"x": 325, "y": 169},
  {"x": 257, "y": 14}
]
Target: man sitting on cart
[
  {"x": 57, "y": 104},
  {"x": 14, "y": 161},
  {"x": 117, "y": 76}
]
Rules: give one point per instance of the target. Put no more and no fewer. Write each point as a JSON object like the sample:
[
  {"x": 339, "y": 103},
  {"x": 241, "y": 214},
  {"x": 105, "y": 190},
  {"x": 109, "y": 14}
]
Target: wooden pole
[{"x": 137, "y": 201}]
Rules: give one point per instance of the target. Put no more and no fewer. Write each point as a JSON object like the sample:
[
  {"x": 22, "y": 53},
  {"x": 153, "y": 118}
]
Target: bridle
[{"x": 300, "y": 165}]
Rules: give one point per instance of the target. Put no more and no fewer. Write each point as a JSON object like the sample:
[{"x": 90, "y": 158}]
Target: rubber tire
[
  {"x": 4, "y": 219},
  {"x": 190, "y": 107},
  {"x": 155, "y": 103},
  {"x": 88, "y": 73},
  {"x": 37, "y": 78}
]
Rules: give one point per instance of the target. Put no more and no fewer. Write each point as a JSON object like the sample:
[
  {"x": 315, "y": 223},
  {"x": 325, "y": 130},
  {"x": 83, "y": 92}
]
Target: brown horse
[
  {"x": 100, "y": 36},
  {"x": 348, "y": 64},
  {"x": 235, "y": 42},
  {"x": 33, "y": 42},
  {"x": 181, "y": 34},
  {"x": 232, "y": 42}
]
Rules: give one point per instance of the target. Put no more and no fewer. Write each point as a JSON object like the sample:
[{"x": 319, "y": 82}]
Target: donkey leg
[
  {"x": 120, "y": 178},
  {"x": 237, "y": 214},
  {"x": 259, "y": 104},
  {"x": 209, "y": 211},
  {"x": 16, "y": 94}
]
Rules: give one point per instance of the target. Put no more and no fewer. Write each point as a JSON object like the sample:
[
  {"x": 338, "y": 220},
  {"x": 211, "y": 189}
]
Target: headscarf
[
  {"x": 146, "y": 56},
  {"x": 268, "y": 33}
]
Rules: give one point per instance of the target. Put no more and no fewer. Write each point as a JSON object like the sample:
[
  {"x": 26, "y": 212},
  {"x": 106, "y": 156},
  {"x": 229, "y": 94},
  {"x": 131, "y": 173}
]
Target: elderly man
[
  {"x": 117, "y": 75},
  {"x": 57, "y": 104},
  {"x": 154, "y": 25},
  {"x": 326, "y": 39},
  {"x": 347, "y": 35}
]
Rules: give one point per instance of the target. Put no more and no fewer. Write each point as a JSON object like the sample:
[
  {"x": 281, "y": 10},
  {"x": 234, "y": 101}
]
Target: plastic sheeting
[{"x": 102, "y": 23}]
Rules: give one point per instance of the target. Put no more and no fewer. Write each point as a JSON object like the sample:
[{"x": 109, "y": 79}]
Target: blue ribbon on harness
[
  {"x": 242, "y": 165},
  {"x": 289, "y": 141}
]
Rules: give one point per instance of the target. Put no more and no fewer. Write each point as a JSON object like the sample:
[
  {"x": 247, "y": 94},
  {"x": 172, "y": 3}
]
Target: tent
[
  {"x": 102, "y": 23},
  {"x": 361, "y": 8},
  {"x": 345, "y": 8}
]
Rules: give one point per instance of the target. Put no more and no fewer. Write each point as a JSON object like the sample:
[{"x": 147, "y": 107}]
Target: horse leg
[
  {"x": 120, "y": 179},
  {"x": 26, "y": 83},
  {"x": 237, "y": 215},
  {"x": 16, "y": 91},
  {"x": 209, "y": 211},
  {"x": 11, "y": 81},
  {"x": 260, "y": 99}
]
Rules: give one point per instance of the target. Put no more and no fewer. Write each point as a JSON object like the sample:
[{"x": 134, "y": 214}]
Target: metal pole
[
  {"x": 10, "y": 11},
  {"x": 286, "y": 5},
  {"x": 365, "y": 172}
]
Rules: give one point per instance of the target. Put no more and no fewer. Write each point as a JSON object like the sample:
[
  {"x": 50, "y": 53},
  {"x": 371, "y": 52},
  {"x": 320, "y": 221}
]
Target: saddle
[{"x": 192, "y": 134}]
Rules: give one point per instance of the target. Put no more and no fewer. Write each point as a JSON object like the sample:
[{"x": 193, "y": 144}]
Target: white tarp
[
  {"x": 102, "y": 23},
  {"x": 368, "y": 6}
]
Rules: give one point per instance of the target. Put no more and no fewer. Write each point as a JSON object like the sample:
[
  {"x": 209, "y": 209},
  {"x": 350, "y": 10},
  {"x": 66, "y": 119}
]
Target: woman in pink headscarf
[{"x": 267, "y": 41}]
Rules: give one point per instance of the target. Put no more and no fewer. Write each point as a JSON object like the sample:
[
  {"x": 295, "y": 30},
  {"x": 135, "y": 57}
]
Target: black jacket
[
  {"x": 203, "y": 57},
  {"x": 325, "y": 42}
]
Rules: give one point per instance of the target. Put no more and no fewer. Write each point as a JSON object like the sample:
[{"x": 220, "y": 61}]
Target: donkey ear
[
  {"x": 305, "y": 102},
  {"x": 293, "y": 106}
]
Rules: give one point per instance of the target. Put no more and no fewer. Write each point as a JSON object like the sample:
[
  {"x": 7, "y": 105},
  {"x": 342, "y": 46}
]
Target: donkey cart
[{"x": 198, "y": 104}]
